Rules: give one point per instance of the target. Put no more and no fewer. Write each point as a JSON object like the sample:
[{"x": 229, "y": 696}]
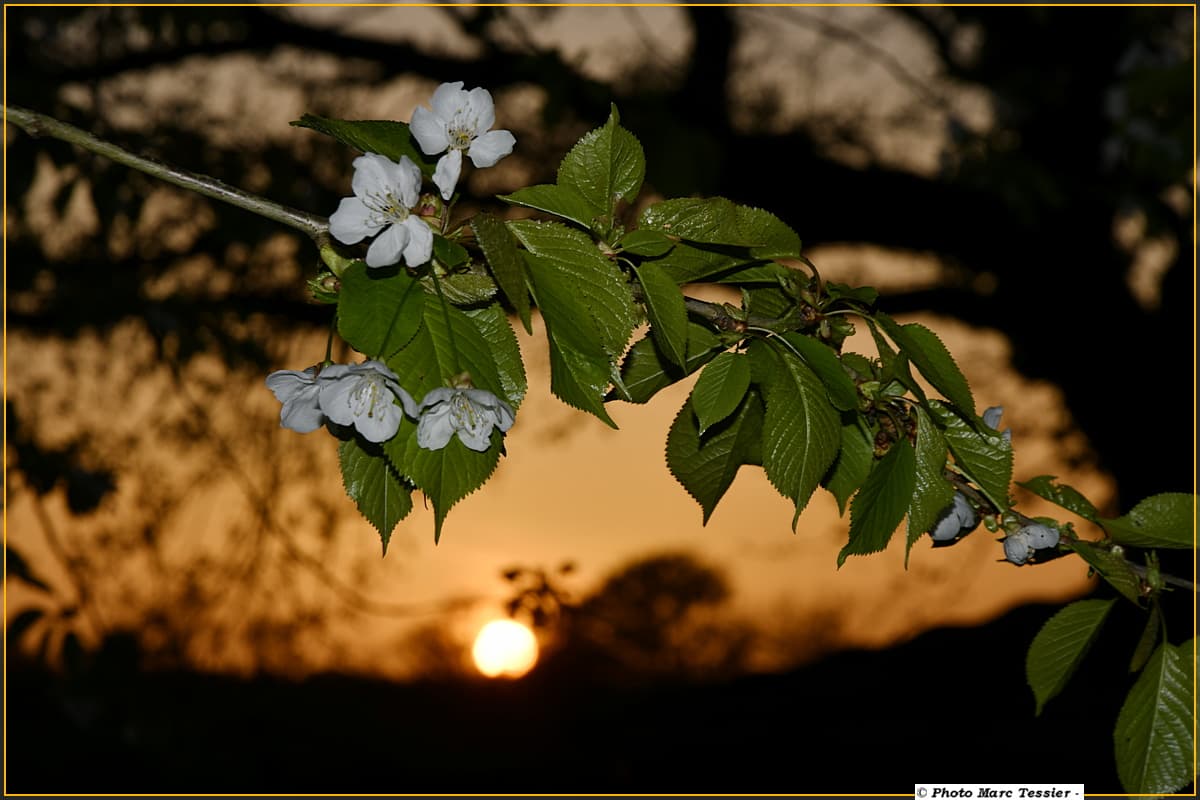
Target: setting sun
[{"x": 505, "y": 648}]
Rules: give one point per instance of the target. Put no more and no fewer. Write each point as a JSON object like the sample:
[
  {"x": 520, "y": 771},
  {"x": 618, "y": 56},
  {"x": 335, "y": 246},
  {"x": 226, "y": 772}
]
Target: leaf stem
[{"x": 36, "y": 125}]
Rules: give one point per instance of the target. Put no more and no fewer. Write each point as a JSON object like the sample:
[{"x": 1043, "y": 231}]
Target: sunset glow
[{"x": 505, "y": 649}]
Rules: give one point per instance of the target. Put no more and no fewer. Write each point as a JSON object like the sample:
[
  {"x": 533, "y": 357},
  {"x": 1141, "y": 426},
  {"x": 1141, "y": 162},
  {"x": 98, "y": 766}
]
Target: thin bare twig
[{"x": 35, "y": 124}]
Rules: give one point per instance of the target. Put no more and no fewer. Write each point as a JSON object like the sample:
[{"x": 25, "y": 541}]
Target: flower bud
[
  {"x": 959, "y": 518},
  {"x": 430, "y": 208},
  {"x": 1017, "y": 547},
  {"x": 1041, "y": 536}
]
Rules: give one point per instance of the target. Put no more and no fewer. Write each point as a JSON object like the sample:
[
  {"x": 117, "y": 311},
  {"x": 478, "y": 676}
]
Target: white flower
[
  {"x": 471, "y": 413},
  {"x": 959, "y": 517},
  {"x": 460, "y": 120},
  {"x": 364, "y": 395},
  {"x": 385, "y": 193},
  {"x": 298, "y": 392}
]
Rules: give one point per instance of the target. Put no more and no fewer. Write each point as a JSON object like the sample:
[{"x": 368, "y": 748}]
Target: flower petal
[
  {"x": 382, "y": 421},
  {"x": 286, "y": 384},
  {"x": 386, "y": 248},
  {"x": 448, "y": 99},
  {"x": 482, "y": 109},
  {"x": 491, "y": 147},
  {"x": 373, "y": 174},
  {"x": 445, "y": 176},
  {"x": 478, "y": 438},
  {"x": 434, "y": 429},
  {"x": 337, "y": 399},
  {"x": 352, "y": 222},
  {"x": 408, "y": 184},
  {"x": 501, "y": 411},
  {"x": 505, "y": 416},
  {"x": 420, "y": 242},
  {"x": 406, "y": 400},
  {"x": 429, "y": 131},
  {"x": 303, "y": 415},
  {"x": 435, "y": 396}
]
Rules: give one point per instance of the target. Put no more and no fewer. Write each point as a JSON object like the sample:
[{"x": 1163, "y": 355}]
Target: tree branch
[{"x": 35, "y": 124}]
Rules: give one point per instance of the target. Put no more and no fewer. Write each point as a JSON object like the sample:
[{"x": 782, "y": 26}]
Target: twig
[
  {"x": 716, "y": 314},
  {"x": 35, "y": 124},
  {"x": 1172, "y": 580}
]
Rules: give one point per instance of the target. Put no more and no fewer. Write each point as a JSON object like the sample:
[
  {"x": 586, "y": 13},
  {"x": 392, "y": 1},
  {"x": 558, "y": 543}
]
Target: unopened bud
[{"x": 430, "y": 208}]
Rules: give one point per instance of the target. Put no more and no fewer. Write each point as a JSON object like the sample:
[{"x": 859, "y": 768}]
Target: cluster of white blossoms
[
  {"x": 369, "y": 398},
  {"x": 387, "y": 205},
  {"x": 386, "y": 192}
]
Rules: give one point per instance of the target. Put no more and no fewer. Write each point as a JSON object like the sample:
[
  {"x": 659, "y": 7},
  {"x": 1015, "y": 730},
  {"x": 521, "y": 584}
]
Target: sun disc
[{"x": 504, "y": 648}]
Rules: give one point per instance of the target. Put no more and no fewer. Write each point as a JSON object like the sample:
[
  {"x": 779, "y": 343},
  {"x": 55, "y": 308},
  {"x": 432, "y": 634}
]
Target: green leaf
[
  {"x": 688, "y": 264},
  {"x": 449, "y": 343},
  {"x": 646, "y": 370},
  {"x": 855, "y": 459},
  {"x": 1060, "y": 646},
  {"x": 379, "y": 311},
  {"x": 720, "y": 389},
  {"x": 450, "y": 254},
  {"x": 986, "y": 458},
  {"x": 712, "y": 220},
  {"x": 775, "y": 239},
  {"x": 859, "y": 364},
  {"x": 1146, "y": 642},
  {"x": 444, "y": 476},
  {"x": 579, "y": 379},
  {"x": 1153, "y": 737},
  {"x": 867, "y": 295},
  {"x": 387, "y": 138},
  {"x": 562, "y": 201},
  {"x": 646, "y": 243},
  {"x": 607, "y": 164},
  {"x": 705, "y": 465},
  {"x": 1164, "y": 520},
  {"x": 497, "y": 334},
  {"x": 801, "y": 431},
  {"x": 719, "y": 222},
  {"x": 932, "y": 493},
  {"x": 581, "y": 293},
  {"x": 506, "y": 262},
  {"x": 1061, "y": 495},
  {"x": 925, "y": 349},
  {"x": 667, "y": 312},
  {"x": 1112, "y": 567},
  {"x": 382, "y": 496},
  {"x": 895, "y": 365},
  {"x": 462, "y": 288},
  {"x": 881, "y": 503},
  {"x": 828, "y": 367},
  {"x": 768, "y": 272}
]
